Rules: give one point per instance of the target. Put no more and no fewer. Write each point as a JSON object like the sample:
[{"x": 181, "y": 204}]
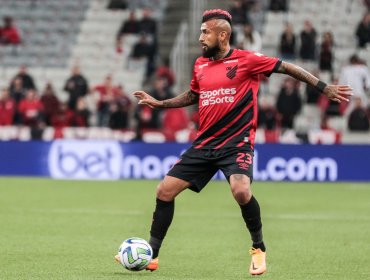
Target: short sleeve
[
  {"x": 194, "y": 85},
  {"x": 261, "y": 64}
]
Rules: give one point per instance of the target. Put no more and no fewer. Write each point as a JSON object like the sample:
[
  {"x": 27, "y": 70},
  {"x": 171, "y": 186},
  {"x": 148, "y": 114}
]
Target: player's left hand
[{"x": 338, "y": 93}]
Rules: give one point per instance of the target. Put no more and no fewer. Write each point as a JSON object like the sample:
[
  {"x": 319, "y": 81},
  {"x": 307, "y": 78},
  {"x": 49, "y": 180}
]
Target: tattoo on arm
[
  {"x": 184, "y": 99},
  {"x": 298, "y": 73}
]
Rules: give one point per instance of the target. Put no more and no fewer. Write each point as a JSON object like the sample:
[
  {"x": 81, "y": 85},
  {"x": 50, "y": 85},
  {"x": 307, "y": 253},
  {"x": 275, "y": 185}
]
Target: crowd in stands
[
  {"x": 101, "y": 105},
  {"x": 108, "y": 105}
]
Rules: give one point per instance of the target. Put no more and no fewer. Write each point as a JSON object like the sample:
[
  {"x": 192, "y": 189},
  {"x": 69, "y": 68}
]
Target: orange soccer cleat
[
  {"x": 258, "y": 263},
  {"x": 153, "y": 265}
]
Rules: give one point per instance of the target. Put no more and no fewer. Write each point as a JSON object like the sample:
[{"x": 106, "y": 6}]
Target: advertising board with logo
[{"x": 111, "y": 160}]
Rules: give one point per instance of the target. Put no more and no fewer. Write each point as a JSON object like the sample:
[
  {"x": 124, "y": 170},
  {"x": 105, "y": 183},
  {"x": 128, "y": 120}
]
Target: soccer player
[{"x": 224, "y": 85}]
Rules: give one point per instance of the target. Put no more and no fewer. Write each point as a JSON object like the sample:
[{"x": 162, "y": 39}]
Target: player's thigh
[
  {"x": 194, "y": 167},
  {"x": 237, "y": 167},
  {"x": 170, "y": 187}
]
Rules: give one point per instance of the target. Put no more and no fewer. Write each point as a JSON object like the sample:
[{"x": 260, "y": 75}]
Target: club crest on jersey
[{"x": 231, "y": 71}]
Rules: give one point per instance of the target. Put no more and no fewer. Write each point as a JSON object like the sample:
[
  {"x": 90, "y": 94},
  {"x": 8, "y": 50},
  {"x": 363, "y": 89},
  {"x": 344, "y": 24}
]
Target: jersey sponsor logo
[
  {"x": 217, "y": 96},
  {"x": 231, "y": 72}
]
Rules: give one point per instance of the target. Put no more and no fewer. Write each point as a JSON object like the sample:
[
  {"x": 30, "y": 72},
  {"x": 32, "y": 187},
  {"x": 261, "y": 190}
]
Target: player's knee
[
  {"x": 164, "y": 193},
  {"x": 242, "y": 195}
]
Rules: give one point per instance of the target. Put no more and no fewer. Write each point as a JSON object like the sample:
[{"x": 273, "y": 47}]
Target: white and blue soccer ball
[{"x": 135, "y": 254}]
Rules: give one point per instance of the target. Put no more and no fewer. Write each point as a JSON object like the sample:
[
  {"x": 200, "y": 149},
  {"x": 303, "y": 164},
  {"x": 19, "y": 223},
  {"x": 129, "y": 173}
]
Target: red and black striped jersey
[{"x": 227, "y": 91}]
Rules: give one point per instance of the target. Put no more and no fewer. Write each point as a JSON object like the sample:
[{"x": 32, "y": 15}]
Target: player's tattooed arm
[
  {"x": 184, "y": 99},
  {"x": 298, "y": 73},
  {"x": 337, "y": 93}
]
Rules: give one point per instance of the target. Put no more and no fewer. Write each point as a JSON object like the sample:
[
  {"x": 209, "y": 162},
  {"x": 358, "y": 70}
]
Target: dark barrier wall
[{"x": 110, "y": 160}]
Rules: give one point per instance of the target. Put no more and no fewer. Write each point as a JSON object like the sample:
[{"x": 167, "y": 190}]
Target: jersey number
[{"x": 244, "y": 157}]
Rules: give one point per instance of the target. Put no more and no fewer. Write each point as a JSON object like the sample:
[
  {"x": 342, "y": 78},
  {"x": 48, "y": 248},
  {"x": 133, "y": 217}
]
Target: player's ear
[{"x": 222, "y": 36}]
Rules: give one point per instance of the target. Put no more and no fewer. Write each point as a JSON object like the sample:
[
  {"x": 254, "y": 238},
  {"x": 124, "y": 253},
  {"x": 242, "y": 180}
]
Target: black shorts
[{"x": 198, "y": 166}]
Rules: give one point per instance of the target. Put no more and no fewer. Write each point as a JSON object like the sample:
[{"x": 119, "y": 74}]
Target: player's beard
[{"x": 211, "y": 51}]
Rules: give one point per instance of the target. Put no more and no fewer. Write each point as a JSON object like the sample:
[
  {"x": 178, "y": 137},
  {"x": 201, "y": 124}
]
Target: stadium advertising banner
[{"x": 111, "y": 160}]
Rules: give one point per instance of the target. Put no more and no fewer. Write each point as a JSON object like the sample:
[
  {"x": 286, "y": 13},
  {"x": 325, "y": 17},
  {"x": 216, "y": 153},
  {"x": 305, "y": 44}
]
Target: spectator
[
  {"x": 50, "y": 103},
  {"x": 288, "y": 43},
  {"x": 80, "y": 117},
  {"x": 267, "y": 115},
  {"x": 160, "y": 90},
  {"x": 278, "y": 5},
  {"x": 326, "y": 52},
  {"x": 147, "y": 24},
  {"x": 143, "y": 48},
  {"x": 238, "y": 12},
  {"x": 9, "y": 34},
  {"x": 118, "y": 118},
  {"x": 7, "y": 108},
  {"x": 256, "y": 16},
  {"x": 307, "y": 50},
  {"x": 27, "y": 80},
  {"x": 250, "y": 39},
  {"x": 119, "y": 110},
  {"x": 146, "y": 117},
  {"x": 117, "y": 5},
  {"x": 16, "y": 90},
  {"x": 288, "y": 103},
  {"x": 76, "y": 86},
  {"x": 62, "y": 117},
  {"x": 107, "y": 94},
  {"x": 357, "y": 75},
  {"x": 143, "y": 52},
  {"x": 358, "y": 119},
  {"x": 363, "y": 31},
  {"x": 31, "y": 109},
  {"x": 239, "y": 16},
  {"x": 164, "y": 71},
  {"x": 130, "y": 26},
  {"x": 174, "y": 120}
]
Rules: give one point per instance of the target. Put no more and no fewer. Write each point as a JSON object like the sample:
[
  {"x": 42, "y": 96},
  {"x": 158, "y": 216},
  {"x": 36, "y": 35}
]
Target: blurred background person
[
  {"x": 288, "y": 45},
  {"x": 76, "y": 86},
  {"x": 308, "y": 37},
  {"x": 358, "y": 118},
  {"x": 363, "y": 31},
  {"x": 326, "y": 57},
  {"x": 7, "y": 108},
  {"x": 31, "y": 109},
  {"x": 250, "y": 39},
  {"x": 357, "y": 75},
  {"x": 9, "y": 34},
  {"x": 50, "y": 103},
  {"x": 288, "y": 103}
]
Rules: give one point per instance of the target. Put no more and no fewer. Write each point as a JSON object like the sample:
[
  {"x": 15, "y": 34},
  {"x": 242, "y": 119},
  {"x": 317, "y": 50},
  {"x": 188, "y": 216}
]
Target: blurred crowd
[
  {"x": 107, "y": 104},
  {"x": 104, "y": 105}
]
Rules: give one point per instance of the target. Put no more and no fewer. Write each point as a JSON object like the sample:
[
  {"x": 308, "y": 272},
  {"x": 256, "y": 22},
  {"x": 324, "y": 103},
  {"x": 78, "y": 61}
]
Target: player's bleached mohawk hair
[{"x": 216, "y": 14}]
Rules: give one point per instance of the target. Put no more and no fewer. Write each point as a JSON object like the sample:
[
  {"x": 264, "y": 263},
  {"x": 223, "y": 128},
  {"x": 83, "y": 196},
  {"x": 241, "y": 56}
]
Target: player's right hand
[{"x": 146, "y": 99}]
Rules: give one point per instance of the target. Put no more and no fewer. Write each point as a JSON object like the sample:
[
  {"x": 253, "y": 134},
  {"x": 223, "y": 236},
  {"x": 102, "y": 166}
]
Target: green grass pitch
[{"x": 72, "y": 229}]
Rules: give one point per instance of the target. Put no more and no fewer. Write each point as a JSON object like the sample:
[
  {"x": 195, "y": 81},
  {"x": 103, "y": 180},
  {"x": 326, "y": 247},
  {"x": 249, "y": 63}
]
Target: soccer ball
[{"x": 135, "y": 254}]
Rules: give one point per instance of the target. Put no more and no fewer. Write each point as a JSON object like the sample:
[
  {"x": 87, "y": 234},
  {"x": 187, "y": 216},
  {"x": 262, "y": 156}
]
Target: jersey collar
[{"x": 226, "y": 56}]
